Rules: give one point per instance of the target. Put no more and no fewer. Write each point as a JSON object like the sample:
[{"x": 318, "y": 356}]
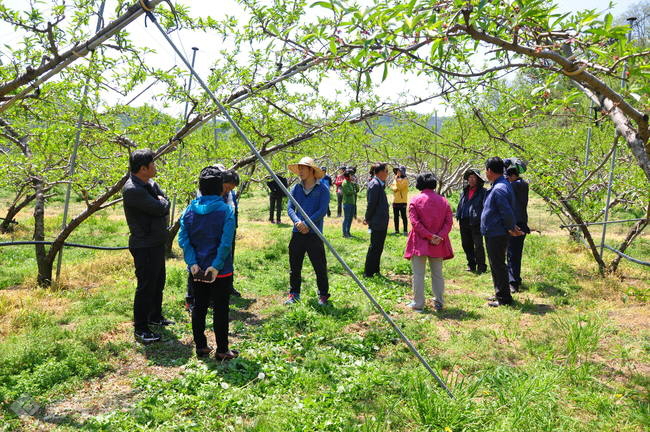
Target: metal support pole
[
  {"x": 435, "y": 161},
  {"x": 75, "y": 148},
  {"x": 308, "y": 220},
  {"x": 613, "y": 164},
  {"x": 180, "y": 149}
]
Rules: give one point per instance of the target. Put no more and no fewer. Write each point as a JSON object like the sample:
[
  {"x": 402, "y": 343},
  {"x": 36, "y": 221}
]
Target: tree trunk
[
  {"x": 44, "y": 278},
  {"x": 577, "y": 219},
  {"x": 171, "y": 235}
]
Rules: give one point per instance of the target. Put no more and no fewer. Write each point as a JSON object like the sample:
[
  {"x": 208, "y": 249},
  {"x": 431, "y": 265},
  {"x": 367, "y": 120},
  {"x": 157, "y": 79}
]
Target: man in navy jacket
[
  {"x": 498, "y": 223},
  {"x": 376, "y": 218},
  {"x": 314, "y": 198}
]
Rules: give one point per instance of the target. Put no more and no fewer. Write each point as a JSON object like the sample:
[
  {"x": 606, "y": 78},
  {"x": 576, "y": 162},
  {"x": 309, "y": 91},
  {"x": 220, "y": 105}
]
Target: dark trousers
[
  {"x": 217, "y": 292},
  {"x": 496, "y": 250},
  {"x": 150, "y": 274},
  {"x": 472, "y": 241},
  {"x": 313, "y": 246},
  {"x": 348, "y": 212},
  {"x": 515, "y": 250},
  {"x": 400, "y": 209},
  {"x": 339, "y": 203},
  {"x": 276, "y": 206},
  {"x": 373, "y": 257}
]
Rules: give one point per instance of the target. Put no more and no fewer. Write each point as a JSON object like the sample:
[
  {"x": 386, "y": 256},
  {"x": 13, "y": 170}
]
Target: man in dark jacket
[
  {"x": 376, "y": 218},
  {"x": 497, "y": 225},
  {"x": 146, "y": 209},
  {"x": 275, "y": 197},
  {"x": 468, "y": 215},
  {"x": 516, "y": 244}
]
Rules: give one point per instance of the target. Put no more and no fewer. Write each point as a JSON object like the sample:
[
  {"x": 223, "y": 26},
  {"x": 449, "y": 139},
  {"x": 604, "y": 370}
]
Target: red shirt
[{"x": 470, "y": 192}]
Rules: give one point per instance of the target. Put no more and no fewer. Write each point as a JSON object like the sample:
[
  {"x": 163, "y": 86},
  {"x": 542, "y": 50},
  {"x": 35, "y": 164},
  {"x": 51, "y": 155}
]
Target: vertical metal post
[
  {"x": 214, "y": 127},
  {"x": 613, "y": 164},
  {"x": 435, "y": 161},
  {"x": 587, "y": 150},
  {"x": 77, "y": 140},
  {"x": 180, "y": 149}
]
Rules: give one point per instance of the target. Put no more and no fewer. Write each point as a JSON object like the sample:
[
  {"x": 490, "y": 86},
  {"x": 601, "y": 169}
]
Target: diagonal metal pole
[
  {"x": 77, "y": 139},
  {"x": 311, "y": 224}
]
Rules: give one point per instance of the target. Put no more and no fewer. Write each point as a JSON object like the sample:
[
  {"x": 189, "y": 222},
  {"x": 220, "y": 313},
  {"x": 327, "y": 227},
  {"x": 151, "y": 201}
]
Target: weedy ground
[{"x": 572, "y": 354}]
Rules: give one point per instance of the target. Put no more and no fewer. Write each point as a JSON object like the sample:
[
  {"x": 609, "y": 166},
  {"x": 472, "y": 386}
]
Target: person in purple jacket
[
  {"x": 498, "y": 223},
  {"x": 314, "y": 198}
]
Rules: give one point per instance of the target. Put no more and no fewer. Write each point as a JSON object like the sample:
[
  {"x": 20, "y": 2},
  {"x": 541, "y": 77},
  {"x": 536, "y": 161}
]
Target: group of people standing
[
  {"x": 208, "y": 225},
  {"x": 207, "y": 237},
  {"x": 500, "y": 215}
]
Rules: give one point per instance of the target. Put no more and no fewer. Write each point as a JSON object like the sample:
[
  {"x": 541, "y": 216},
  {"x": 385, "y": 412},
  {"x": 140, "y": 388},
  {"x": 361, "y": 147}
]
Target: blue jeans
[{"x": 348, "y": 213}]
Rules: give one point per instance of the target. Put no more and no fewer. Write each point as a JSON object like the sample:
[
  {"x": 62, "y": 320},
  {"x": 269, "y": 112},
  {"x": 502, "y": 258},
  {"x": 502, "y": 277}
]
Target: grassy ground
[{"x": 573, "y": 354}]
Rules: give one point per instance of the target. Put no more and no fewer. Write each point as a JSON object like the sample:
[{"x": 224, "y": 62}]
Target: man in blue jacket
[
  {"x": 314, "y": 197},
  {"x": 497, "y": 225},
  {"x": 376, "y": 218},
  {"x": 206, "y": 236}
]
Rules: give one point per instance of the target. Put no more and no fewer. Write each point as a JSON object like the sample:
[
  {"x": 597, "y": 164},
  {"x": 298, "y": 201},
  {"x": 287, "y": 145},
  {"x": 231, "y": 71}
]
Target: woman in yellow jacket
[{"x": 400, "y": 188}]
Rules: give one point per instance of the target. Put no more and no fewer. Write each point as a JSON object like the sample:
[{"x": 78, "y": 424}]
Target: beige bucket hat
[{"x": 307, "y": 161}]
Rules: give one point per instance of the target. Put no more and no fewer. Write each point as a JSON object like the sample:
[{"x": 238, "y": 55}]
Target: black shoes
[
  {"x": 203, "y": 352},
  {"x": 146, "y": 336},
  {"x": 234, "y": 292},
  {"x": 497, "y": 303},
  {"x": 514, "y": 289},
  {"x": 162, "y": 322}
]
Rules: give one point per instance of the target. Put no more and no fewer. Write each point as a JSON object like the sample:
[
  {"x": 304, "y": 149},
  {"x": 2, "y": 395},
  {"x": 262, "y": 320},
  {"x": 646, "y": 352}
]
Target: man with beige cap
[{"x": 314, "y": 198}]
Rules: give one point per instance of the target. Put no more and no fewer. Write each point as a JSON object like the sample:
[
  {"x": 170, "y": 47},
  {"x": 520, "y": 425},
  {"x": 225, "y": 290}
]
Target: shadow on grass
[
  {"x": 170, "y": 351},
  {"x": 330, "y": 309},
  {"x": 457, "y": 314},
  {"x": 242, "y": 302},
  {"x": 546, "y": 289},
  {"x": 237, "y": 372},
  {"x": 534, "y": 308}
]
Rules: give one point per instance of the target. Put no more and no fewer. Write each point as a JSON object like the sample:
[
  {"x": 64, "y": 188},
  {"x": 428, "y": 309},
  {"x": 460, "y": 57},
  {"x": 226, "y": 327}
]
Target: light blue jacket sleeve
[
  {"x": 293, "y": 214},
  {"x": 225, "y": 246},
  {"x": 184, "y": 242}
]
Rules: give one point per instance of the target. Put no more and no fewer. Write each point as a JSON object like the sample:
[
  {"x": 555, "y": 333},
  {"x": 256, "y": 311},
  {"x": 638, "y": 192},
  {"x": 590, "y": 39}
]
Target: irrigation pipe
[
  {"x": 311, "y": 224},
  {"x": 34, "y": 242}
]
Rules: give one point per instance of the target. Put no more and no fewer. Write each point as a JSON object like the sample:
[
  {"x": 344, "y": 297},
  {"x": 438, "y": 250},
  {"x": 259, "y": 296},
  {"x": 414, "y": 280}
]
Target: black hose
[{"x": 33, "y": 242}]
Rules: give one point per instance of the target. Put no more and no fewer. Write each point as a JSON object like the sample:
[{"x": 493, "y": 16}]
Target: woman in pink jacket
[{"x": 431, "y": 219}]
